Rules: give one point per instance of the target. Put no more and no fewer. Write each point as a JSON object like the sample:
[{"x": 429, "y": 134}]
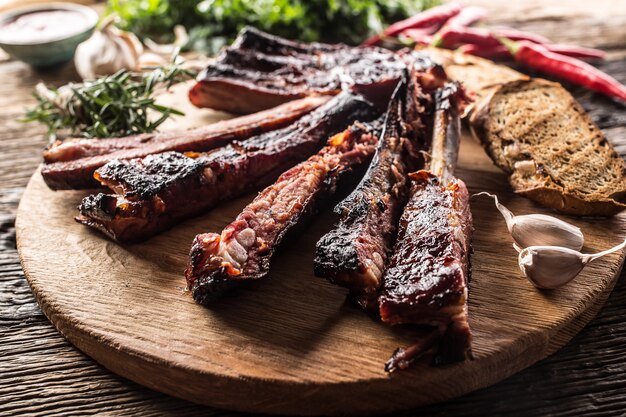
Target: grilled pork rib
[
  {"x": 426, "y": 279},
  {"x": 243, "y": 250},
  {"x": 260, "y": 71},
  {"x": 156, "y": 192},
  {"x": 71, "y": 164},
  {"x": 354, "y": 254}
]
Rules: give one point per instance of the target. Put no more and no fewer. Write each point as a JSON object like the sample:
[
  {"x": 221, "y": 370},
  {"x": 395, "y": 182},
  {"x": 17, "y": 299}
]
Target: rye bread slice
[{"x": 553, "y": 152}]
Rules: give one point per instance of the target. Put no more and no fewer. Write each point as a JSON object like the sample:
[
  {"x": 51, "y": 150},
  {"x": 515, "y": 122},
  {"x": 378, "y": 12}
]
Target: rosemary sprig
[{"x": 116, "y": 105}]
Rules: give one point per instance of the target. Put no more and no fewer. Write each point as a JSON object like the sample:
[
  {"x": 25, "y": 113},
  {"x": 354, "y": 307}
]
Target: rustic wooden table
[{"x": 42, "y": 374}]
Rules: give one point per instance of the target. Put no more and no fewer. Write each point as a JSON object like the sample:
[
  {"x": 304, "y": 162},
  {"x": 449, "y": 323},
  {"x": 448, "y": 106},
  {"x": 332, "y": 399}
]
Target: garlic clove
[
  {"x": 107, "y": 51},
  {"x": 90, "y": 55},
  {"x": 550, "y": 267},
  {"x": 539, "y": 229},
  {"x": 127, "y": 47},
  {"x": 127, "y": 41},
  {"x": 542, "y": 230}
]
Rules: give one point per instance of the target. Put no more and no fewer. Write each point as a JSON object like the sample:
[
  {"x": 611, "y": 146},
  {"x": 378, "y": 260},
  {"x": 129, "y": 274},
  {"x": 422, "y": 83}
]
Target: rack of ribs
[
  {"x": 260, "y": 70},
  {"x": 355, "y": 252},
  {"x": 242, "y": 252},
  {"x": 426, "y": 279},
  {"x": 156, "y": 192},
  {"x": 71, "y": 164}
]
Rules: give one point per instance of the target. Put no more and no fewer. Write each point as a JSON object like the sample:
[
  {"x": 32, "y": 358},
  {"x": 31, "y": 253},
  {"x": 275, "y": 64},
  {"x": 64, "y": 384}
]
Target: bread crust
[{"x": 561, "y": 193}]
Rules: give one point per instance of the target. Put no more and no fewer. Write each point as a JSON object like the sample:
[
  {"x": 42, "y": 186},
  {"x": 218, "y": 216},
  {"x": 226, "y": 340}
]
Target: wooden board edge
[{"x": 117, "y": 360}]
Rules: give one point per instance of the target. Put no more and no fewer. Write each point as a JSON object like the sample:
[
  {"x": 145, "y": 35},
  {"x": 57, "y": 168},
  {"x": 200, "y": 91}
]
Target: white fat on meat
[{"x": 235, "y": 249}]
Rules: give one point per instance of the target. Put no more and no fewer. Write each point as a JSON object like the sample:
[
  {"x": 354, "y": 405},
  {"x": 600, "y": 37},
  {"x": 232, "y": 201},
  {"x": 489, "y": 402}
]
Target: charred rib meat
[
  {"x": 260, "y": 71},
  {"x": 158, "y": 180},
  {"x": 243, "y": 250},
  {"x": 154, "y": 193},
  {"x": 71, "y": 164},
  {"x": 426, "y": 279},
  {"x": 354, "y": 254}
]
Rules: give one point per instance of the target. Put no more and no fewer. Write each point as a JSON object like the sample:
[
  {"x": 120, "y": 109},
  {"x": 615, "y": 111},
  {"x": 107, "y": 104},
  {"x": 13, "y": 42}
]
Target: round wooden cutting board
[{"x": 290, "y": 344}]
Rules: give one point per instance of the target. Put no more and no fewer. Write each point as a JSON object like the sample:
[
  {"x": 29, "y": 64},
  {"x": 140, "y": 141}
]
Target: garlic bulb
[
  {"x": 551, "y": 267},
  {"x": 107, "y": 51},
  {"x": 539, "y": 229}
]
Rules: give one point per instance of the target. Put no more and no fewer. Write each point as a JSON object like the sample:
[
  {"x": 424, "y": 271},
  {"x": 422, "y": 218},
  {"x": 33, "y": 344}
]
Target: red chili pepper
[
  {"x": 501, "y": 53},
  {"x": 418, "y": 36},
  {"x": 468, "y": 16},
  {"x": 575, "y": 51},
  {"x": 454, "y": 36},
  {"x": 457, "y": 28},
  {"x": 520, "y": 35},
  {"x": 496, "y": 53},
  {"x": 436, "y": 16},
  {"x": 568, "y": 50},
  {"x": 570, "y": 69}
]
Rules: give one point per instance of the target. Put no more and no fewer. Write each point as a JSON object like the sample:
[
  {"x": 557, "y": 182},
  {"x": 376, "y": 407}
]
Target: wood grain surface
[
  {"x": 292, "y": 340},
  {"x": 41, "y": 374}
]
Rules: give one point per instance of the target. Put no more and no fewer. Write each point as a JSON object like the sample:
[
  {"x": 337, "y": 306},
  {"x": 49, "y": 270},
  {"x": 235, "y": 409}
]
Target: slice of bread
[{"x": 554, "y": 154}]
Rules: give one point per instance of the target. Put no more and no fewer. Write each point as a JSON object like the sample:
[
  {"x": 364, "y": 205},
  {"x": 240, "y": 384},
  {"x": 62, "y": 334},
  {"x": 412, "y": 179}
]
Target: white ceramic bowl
[{"x": 54, "y": 51}]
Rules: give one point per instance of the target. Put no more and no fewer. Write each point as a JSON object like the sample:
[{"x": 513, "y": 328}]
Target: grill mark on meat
[
  {"x": 262, "y": 62},
  {"x": 189, "y": 139},
  {"x": 253, "y": 38},
  {"x": 354, "y": 254},
  {"x": 426, "y": 279},
  {"x": 77, "y": 160},
  {"x": 263, "y": 70},
  {"x": 155, "y": 192},
  {"x": 243, "y": 250}
]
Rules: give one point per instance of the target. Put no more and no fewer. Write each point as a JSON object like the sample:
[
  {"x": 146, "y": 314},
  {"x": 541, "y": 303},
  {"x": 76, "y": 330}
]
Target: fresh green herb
[
  {"x": 213, "y": 23},
  {"x": 117, "y": 105}
]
